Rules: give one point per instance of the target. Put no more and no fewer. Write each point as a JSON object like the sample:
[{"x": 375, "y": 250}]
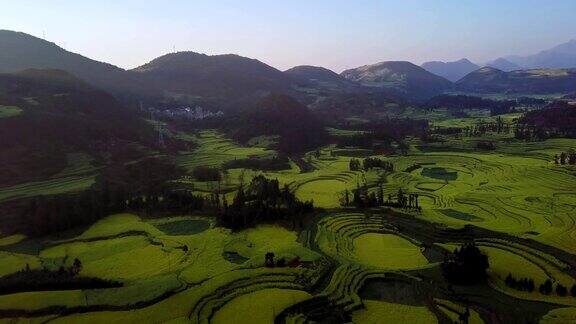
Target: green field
[
  {"x": 387, "y": 251},
  {"x": 381, "y": 312},
  {"x": 270, "y": 302},
  {"x": 9, "y": 111},
  {"x": 214, "y": 149}
]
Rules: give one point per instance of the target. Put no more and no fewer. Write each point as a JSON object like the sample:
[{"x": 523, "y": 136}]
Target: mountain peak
[
  {"x": 452, "y": 71},
  {"x": 464, "y": 60}
]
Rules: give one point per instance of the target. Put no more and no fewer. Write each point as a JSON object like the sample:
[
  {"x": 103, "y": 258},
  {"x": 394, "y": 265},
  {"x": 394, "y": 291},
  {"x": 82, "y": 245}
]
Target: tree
[
  {"x": 563, "y": 158},
  {"x": 281, "y": 263},
  {"x": 546, "y": 287},
  {"x": 561, "y": 290},
  {"x": 467, "y": 265},
  {"x": 573, "y": 290},
  {"x": 76, "y": 266},
  {"x": 269, "y": 259},
  {"x": 401, "y": 198}
]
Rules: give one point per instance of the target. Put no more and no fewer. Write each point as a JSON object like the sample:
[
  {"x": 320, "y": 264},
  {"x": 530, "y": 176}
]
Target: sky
[{"x": 337, "y": 34}]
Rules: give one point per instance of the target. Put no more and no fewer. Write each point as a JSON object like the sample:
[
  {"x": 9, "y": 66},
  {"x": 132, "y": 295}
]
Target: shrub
[
  {"x": 546, "y": 287},
  {"x": 561, "y": 290}
]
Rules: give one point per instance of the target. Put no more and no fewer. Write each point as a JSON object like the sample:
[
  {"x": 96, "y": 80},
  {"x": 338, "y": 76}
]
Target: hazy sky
[{"x": 337, "y": 34}]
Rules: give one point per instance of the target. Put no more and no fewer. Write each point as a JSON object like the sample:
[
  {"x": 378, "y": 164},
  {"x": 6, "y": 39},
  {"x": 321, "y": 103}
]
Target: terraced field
[
  {"x": 382, "y": 312},
  {"x": 78, "y": 175},
  {"x": 270, "y": 302},
  {"x": 153, "y": 264},
  {"x": 214, "y": 149},
  {"x": 187, "y": 269},
  {"x": 526, "y": 196},
  {"x": 324, "y": 185}
]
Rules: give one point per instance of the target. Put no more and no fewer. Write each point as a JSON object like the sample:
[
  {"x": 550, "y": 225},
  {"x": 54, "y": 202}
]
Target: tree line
[
  {"x": 262, "y": 200},
  {"x": 65, "y": 278},
  {"x": 370, "y": 163},
  {"x": 361, "y": 198},
  {"x": 558, "y": 119},
  {"x": 140, "y": 188},
  {"x": 499, "y": 126},
  {"x": 565, "y": 158},
  {"x": 545, "y": 288}
]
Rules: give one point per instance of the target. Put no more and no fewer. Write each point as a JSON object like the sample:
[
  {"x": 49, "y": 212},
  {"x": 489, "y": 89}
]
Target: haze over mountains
[
  {"x": 491, "y": 80},
  {"x": 230, "y": 81},
  {"x": 559, "y": 57},
  {"x": 452, "y": 71}
]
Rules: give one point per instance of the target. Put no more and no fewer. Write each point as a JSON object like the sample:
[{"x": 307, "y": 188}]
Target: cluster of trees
[
  {"x": 527, "y": 132},
  {"x": 47, "y": 215},
  {"x": 281, "y": 262},
  {"x": 262, "y": 201},
  {"x": 486, "y": 145},
  {"x": 380, "y": 135},
  {"x": 466, "y": 265},
  {"x": 65, "y": 278},
  {"x": 370, "y": 163},
  {"x": 361, "y": 198},
  {"x": 523, "y": 284},
  {"x": 498, "y": 126},
  {"x": 557, "y": 120},
  {"x": 205, "y": 173},
  {"x": 565, "y": 158},
  {"x": 355, "y": 165},
  {"x": 545, "y": 288},
  {"x": 297, "y": 128},
  {"x": 363, "y": 140},
  {"x": 480, "y": 129},
  {"x": 140, "y": 188},
  {"x": 496, "y": 107},
  {"x": 404, "y": 200}
]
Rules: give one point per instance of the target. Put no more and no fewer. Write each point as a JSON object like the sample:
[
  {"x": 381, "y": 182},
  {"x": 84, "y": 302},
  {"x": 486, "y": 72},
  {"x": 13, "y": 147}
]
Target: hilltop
[{"x": 399, "y": 77}]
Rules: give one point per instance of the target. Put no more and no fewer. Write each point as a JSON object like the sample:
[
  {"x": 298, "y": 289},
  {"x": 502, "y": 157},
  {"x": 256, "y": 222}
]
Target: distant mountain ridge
[
  {"x": 20, "y": 51},
  {"x": 535, "y": 81},
  {"x": 232, "y": 81},
  {"x": 561, "y": 56},
  {"x": 452, "y": 71}
]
